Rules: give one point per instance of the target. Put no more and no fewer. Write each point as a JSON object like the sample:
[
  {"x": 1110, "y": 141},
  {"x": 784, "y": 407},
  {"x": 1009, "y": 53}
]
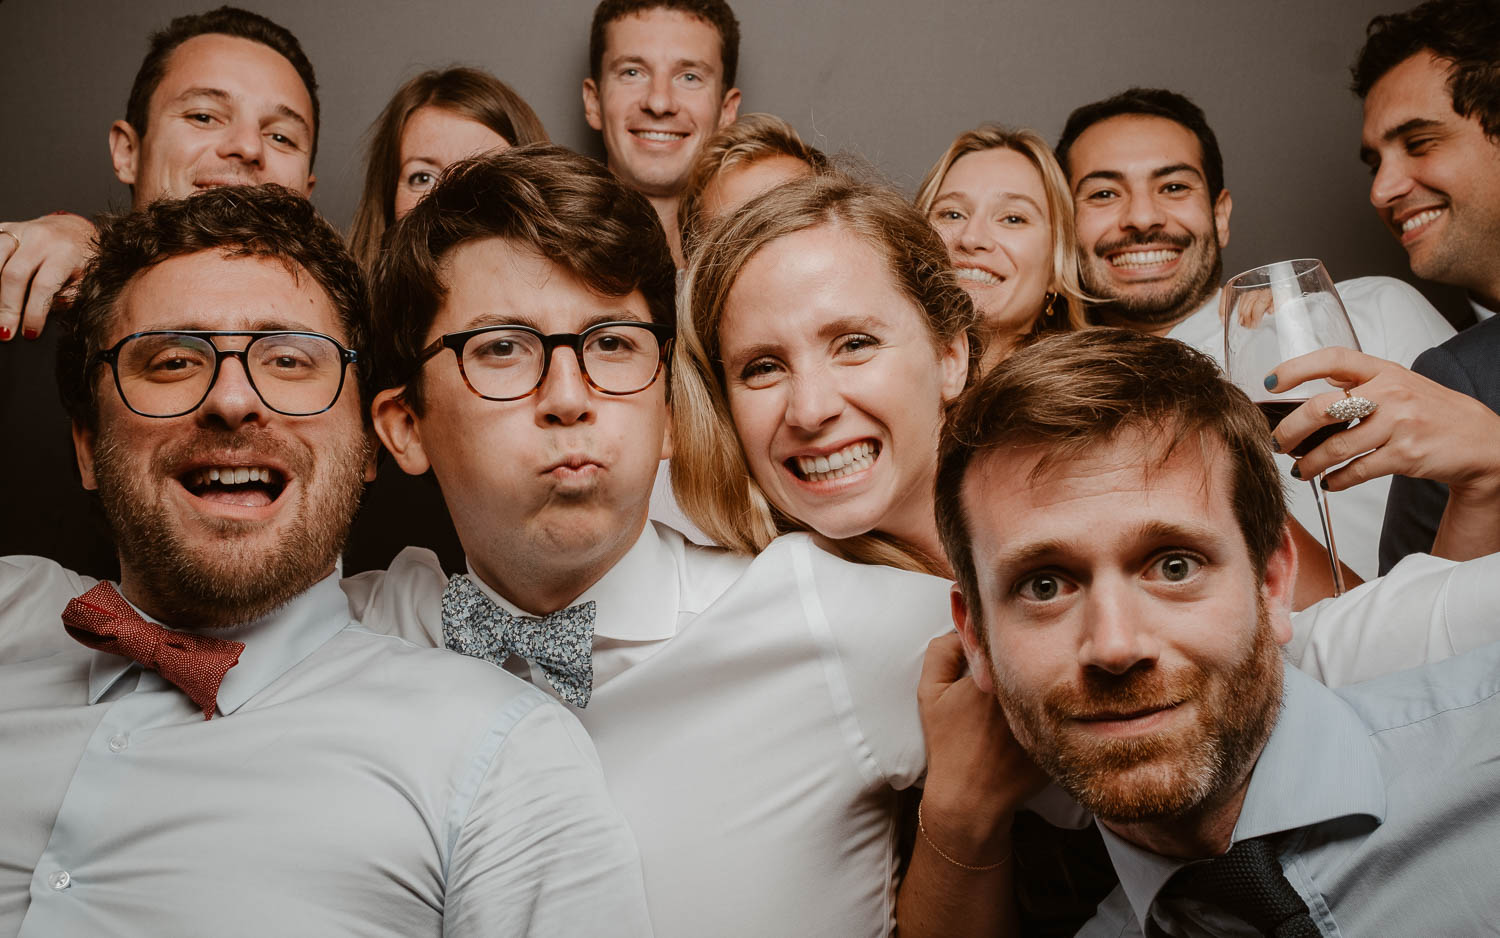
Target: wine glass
[{"x": 1274, "y": 313}]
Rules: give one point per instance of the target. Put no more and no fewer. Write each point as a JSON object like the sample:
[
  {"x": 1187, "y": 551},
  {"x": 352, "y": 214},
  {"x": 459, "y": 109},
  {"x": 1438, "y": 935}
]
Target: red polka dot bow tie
[{"x": 196, "y": 664}]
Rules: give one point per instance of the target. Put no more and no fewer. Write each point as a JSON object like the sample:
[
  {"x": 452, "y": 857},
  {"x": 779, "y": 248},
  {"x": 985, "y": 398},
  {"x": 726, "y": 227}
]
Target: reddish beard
[
  {"x": 1168, "y": 773},
  {"x": 218, "y": 585}
]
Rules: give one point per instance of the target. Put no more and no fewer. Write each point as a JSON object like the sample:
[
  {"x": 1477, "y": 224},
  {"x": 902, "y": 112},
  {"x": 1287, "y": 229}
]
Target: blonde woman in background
[{"x": 1001, "y": 204}]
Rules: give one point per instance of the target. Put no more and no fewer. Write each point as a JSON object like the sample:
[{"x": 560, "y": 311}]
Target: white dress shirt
[
  {"x": 349, "y": 783},
  {"x": 1481, "y": 312},
  {"x": 754, "y": 716},
  {"x": 1392, "y": 321}
]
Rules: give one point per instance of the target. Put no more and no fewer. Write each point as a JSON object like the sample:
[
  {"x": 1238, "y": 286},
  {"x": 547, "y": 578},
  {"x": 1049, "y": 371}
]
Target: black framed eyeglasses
[
  {"x": 168, "y": 373},
  {"x": 509, "y": 362}
]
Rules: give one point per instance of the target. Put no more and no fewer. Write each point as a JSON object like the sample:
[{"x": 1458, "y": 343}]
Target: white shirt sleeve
[
  {"x": 880, "y": 620},
  {"x": 542, "y": 851},
  {"x": 1424, "y": 610},
  {"x": 404, "y": 600},
  {"x": 1392, "y": 319}
]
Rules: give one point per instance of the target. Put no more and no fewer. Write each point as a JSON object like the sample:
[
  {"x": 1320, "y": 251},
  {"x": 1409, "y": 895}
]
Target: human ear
[
  {"x": 591, "y": 110},
  {"x": 83, "y": 449},
  {"x": 968, "y": 633},
  {"x": 124, "y": 151},
  {"x": 1279, "y": 584},
  {"x": 1223, "y": 205},
  {"x": 953, "y": 366},
  {"x": 397, "y": 428}
]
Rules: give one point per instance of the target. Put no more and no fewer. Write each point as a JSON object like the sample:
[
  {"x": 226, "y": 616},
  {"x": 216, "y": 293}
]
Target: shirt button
[
  {"x": 118, "y": 742},
  {"x": 60, "y": 880}
]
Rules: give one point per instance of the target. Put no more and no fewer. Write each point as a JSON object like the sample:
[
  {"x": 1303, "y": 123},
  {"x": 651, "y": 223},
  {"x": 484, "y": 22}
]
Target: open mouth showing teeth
[
  {"x": 976, "y": 275},
  {"x": 661, "y": 136},
  {"x": 249, "y": 486},
  {"x": 1420, "y": 219},
  {"x": 853, "y": 458},
  {"x": 1143, "y": 258}
]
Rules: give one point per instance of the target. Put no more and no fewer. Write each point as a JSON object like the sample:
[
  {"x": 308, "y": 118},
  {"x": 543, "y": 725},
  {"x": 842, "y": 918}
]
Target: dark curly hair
[
  {"x": 238, "y": 221},
  {"x": 568, "y": 208},
  {"x": 1465, "y": 33}
]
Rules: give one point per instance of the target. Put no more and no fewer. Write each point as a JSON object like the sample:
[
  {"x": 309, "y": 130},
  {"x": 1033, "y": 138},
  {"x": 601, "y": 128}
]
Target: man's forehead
[
  {"x": 490, "y": 281},
  {"x": 1037, "y": 490},
  {"x": 1416, "y": 88},
  {"x": 218, "y": 290},
  {"x": 1134, "y": 142},
  {"x": 658, "y": 33},
  {"x": 205, "y": 61}
]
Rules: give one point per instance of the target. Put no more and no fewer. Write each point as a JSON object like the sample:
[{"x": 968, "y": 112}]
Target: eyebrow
[
  {"x": 829, "y": 330},
  {"x": 1029, "y": 556},
  {"x": 696, "y": 64},
  {"x": 224, "y": 97},
  {"x": 1112, "y": 175},
  {"x": 1366, "y": 154},
  {"x": 1015, "y": 196},
  {"x": 484, "y": 320}
]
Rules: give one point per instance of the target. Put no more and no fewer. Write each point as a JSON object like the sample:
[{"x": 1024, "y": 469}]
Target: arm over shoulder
[
  {"x": 33, "y": 593},
  {"x": 1426, "y": 609}
]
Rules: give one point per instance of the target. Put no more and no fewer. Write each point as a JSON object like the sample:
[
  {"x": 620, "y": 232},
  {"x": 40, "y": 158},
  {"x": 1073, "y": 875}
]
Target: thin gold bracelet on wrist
[{"x": 922, "y": 829}]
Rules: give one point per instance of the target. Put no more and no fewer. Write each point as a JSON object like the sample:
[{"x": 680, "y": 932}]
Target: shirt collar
[
  {"x": 637, "y": 600},
  {"x": 1481, "y": 313},
  {"x": 274, "y": 643},
  {"x": 1319, "y": 749}
]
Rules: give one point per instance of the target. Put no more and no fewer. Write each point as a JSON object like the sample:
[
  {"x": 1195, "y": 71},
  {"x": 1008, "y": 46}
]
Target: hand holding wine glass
[{"x": 1275, "y": 313}]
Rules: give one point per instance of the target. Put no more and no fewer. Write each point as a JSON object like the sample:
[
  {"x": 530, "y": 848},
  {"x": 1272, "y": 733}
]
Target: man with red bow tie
[{"x": 224, "y": 749}]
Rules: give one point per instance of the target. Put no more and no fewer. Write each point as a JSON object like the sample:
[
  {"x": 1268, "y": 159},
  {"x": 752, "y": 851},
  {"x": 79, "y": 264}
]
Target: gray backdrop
[{"x": 889, "y": 80}]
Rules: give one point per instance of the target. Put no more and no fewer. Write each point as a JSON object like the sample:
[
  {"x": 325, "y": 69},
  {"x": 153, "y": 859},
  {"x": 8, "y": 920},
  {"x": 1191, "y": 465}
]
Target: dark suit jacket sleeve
[{"x": 1469, "y": 363}]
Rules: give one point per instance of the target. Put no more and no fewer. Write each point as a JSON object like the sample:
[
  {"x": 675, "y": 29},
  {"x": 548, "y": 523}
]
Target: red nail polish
[
  {"x": 4, "y": 334},
  {"x": 30, "y": 333}
]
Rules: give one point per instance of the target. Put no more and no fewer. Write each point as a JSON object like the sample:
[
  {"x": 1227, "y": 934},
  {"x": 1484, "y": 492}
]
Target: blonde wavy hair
[
  {"x": 710, "y": 475},
  {"x": 1065, "y": 281}
]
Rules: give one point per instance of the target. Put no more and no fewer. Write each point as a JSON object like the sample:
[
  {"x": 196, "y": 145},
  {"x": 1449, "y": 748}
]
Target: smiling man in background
[
  {"x": 1153, "y": 219},
  {"x": 662, "y": 82}
]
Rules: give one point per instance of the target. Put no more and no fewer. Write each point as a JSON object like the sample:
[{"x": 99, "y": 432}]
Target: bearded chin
[
  {"x": 1175, "y": 301},
  {"x": 1162, "y": 776},
  {"x": 220, "y": 584}
]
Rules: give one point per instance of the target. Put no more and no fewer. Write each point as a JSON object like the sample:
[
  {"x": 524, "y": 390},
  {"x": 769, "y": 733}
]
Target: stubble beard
[
  {"x": 1161, "y": 776},
  {"x": 1166, "y": 303},
  {"x": 219, "y": 585}
]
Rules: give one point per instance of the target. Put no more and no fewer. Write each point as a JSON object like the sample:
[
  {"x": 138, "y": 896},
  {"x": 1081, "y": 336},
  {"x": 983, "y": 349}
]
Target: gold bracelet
[{"x": 922, "y": 829}]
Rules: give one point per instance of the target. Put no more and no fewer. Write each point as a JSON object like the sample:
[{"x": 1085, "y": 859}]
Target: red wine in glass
[{"x": 1277, "y": 411}]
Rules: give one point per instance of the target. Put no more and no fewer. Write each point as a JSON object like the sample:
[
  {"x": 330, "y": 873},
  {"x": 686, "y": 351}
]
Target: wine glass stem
[{"x": 1327, "y": 522}]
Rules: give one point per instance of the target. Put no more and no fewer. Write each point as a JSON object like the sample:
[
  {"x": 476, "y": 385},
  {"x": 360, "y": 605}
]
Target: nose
[
  {"x": 241, "y": 140},
  {"x": 1390, "y": 184},
  {"x": 813, "y": 400},
  {"x": 975, "y": 235},
  {"x": 661, "y": 99},
  {"x": 1116, "y": 637},
  {"x": 1142, "y": 213},
  {"x": 232, "y": 401},
  {"x": 564, "y": 397}
]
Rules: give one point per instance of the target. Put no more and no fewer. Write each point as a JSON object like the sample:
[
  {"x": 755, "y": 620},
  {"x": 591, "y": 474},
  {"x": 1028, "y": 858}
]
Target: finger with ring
[{"x": 1352, "y": 407}]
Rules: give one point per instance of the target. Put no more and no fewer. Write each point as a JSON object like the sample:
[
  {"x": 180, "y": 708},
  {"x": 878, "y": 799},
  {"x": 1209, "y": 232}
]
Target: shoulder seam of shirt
[
  {"x": 466, "y": 787},
  {"x": 1437, "y": 713}
]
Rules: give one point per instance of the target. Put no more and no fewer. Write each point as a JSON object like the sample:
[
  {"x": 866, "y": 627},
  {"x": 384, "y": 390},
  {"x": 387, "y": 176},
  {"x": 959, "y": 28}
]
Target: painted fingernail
[
  {"x": 1275, "y": 445},
  {"x": 1323, "y": 484},
  {"x": 4, "y": 333},
  {"x": 30, "y": 333},
  {"x": 1270, "y": 381},
  {"x": 1296, "y": 473}
]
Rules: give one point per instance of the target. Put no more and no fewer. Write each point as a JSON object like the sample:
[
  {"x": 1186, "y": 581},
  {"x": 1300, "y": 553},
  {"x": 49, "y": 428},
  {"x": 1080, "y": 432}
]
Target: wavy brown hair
[
  {"x": 710, "y": 475},
  {"x": 468, "y": 92}
]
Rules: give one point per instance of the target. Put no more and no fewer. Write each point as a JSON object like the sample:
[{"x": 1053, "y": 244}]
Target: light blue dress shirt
[
  {"x": 1385, "y": 801},
  {"x": 350, "y": 783}
]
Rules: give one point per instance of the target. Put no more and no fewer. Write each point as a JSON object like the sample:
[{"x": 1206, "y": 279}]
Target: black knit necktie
[{"x": 1248, "y": 882}]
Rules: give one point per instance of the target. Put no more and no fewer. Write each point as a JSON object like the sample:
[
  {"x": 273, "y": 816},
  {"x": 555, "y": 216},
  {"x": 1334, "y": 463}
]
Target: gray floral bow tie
[{"x": 561, "y": 644}]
